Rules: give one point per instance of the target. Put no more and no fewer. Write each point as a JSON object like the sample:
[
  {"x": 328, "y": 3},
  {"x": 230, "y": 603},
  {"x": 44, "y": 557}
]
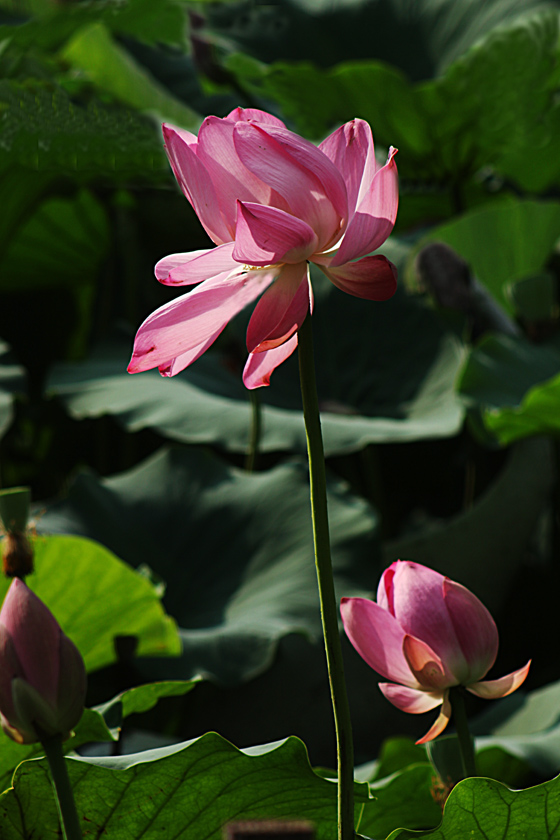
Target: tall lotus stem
[
  {"x": 323, "y": 563},
  {"x": 457, "y": 700},
  {"x": 68, "y": 814}
]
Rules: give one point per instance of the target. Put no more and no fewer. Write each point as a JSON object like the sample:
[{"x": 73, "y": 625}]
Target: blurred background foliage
[{"x": 440, "y": 407}]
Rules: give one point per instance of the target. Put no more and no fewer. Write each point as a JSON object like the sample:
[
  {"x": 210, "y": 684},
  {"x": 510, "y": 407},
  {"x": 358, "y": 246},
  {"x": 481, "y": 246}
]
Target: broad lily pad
[
  {"x": 482, "y": 809},
  {"x": 515, "y": 385},
  {"x": 234, "y": 549},
  {"x": 191, "y": 790},
  {"x": 502, "y": 242},
  {"x": 385, "y": 374}
]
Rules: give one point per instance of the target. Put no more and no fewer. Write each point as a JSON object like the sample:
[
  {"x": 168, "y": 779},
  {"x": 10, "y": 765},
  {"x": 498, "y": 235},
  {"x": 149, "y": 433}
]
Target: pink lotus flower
[
  {"x": 272, "y": 202},
  {"x": 426, "y": 633},
  {"x": 42, "y": 674}
]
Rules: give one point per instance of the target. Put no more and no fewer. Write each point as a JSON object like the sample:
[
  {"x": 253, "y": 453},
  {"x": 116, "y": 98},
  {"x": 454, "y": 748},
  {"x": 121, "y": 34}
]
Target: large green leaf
[
  {"x": 491, "y": 107},
  {"x": 482, "y": 809},
  {"x": 502, "y": 242},
  {"x": 515, "y": 386},
  {"x": 189, "y": 791},
  {"x": 140, "y": 19},
  {"x": 235, "y": 550},
  {"x": 373, "y": 385},
  {"x": 43, "y": 129},
  {"x": 112, "y": 69},
  {"x": 102, "y": 598}
]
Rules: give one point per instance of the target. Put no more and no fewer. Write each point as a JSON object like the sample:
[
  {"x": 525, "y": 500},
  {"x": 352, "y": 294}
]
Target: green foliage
[
  {"x": 481, "y": 809},
  {"x": 502, "y": 242},
  {"x": 363, "y": 402},
  {"x": 492, "y": 105},
  {"x": 112, "y": 69},
  {"x": 204, "y": 784},
  {"x": 235, "y": 589},
  {"x": 515, "y": 385}
]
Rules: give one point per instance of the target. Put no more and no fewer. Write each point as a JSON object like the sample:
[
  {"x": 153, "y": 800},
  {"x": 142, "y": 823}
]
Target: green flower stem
[
  {"x": 67, "y": 812},
  {"x": 329, "y": 607},
  {"x": 466, "y": 745}
]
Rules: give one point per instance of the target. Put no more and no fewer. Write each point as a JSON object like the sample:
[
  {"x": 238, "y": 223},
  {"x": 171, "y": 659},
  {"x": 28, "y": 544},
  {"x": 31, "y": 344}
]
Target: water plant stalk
[
  {"x": 323, "y": 563},
  {"x": 67, "y": 812},
  {"x": 466, "y": 746}
]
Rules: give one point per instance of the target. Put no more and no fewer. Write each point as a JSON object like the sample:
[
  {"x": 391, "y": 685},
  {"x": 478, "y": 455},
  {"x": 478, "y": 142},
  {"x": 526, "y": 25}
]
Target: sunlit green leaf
[
  {"x": 515, "y": 385},
  {"x": 191, "y": 789},
  {"x": 482, "y": 809}
]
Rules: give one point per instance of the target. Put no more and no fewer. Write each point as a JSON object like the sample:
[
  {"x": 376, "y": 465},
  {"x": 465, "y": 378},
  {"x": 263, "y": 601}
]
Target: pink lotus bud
[
  {"x": 426, "y": 634},
  {"x": 42, "y": 673}
]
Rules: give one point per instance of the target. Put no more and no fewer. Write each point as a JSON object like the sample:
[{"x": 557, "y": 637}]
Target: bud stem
[
  {"x": 466, "y": 745},
  {"x": 64, "y": 796},
  {"x": 327, "y": 597}
]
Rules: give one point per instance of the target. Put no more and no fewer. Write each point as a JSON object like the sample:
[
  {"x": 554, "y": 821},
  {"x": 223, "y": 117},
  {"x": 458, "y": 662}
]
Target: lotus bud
[{"x": 42, "y": 673}]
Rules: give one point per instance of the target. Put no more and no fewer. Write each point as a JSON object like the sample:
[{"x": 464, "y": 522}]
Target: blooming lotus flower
[
  {"x": 272, "y": 202},
  {"x": 426, "y": 634},
  {"x": 42, "y": 674}
]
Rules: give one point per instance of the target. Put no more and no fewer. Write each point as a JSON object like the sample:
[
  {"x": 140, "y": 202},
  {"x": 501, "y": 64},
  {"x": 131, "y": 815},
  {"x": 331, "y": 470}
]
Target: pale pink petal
[
  {"x": 441, "y": 722},
  {"x": 419, "y": 606},
  {"x": 411, "y": 700},
  {"x": 474, "y": 627},
  {"x": 195, "y": 266},
  {"x": 281, "y": 310},
  {"x": 190, "y": 320},
  {"x": 385, "y": 590},
  {"x": 305, "y": 178},
  {"x": 194, "y": 179},
  {"x": 375, "y": 216},
  {"x": 260, "y": 366},
  {"x": 351, "y": 150},
  {"x": 181, "y": 362},
  {"x": 254, "y": 115},
  {"x": 494, "y": 689},
  {"x": 266, "y": 235},
  {"x": 378, "y": 638},
  {"x": 371, "y": 278},
  {"x": 36, "y": 638},
  {"x": 231, "y": 178},
  {"x": 426, "y": 665}
]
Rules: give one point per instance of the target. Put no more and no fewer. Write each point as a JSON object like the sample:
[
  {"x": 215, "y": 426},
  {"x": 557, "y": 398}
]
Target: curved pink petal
[
  {"x": 253, "y": 115},
  {"x": 474, "y": 627},
  {"x": 420, "y": 609},
  {"x": 385, "y": 589},
  {"x": 494, "y": 689},
  {"x": 351, "y": 150},
  {"x": 441, "y": 722},
  {"x": 194, "y": 179},
  {"x": 231, "y": 179},
  {"x": 378, "y": 638},
  {"x": 305, "y": 178},
  {"x": 426, "y": 665},
  {"x": 260, "y": 366},
  {"x": 181, "y": 362},
  {"x": 190, "y": 320},
  {"x": 9, "y": 668},
  {"x": 36, "y": 638},
  {"x": 195, "y": 266},
  {"x": 411, "y": 700},
  {"x": 371, "y": 278},
  {"x": 266, "y": 235},
  {"x": 281, "y": 310},
  {"x": 375, "y": 216}
]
